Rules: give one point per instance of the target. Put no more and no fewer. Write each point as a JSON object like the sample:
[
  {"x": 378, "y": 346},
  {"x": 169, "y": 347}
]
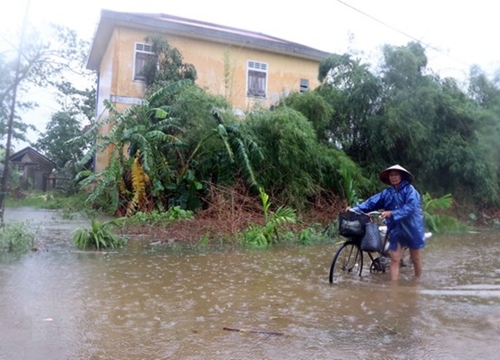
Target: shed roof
[
  {"x": 169, "y": 24},
  {"x": 30, "y": 156}
]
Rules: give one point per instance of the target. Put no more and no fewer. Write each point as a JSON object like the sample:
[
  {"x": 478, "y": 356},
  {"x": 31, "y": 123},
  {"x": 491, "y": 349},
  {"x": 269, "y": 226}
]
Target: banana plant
[
  {"x": 435, "y": 221},
  {"x": 99, "y": 236},
  {"x": 274, "y": 224}
]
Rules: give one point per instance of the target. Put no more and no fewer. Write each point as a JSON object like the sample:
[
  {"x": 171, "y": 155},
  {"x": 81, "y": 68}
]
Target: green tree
[
  {"x": 54, "y": 142},
  {"x": 430, "y": 125},
  {"x": 7, "y": 85},
  {"x": 353, "y": 93},
  {"x": 43, "y": 62},
  {"x": 37, "y": 62},
  {"x": 295, "y": 168},
  {"x": 45, "y": 56},
  {"x": 62, "y": 143},
  {"x": 486, "y": 95},
  {"x": 75, "y": 86},
  {"x": 167, "y": 67},
  {"x": 78, "y": 102},
  {"x": 315, "y": 108}
]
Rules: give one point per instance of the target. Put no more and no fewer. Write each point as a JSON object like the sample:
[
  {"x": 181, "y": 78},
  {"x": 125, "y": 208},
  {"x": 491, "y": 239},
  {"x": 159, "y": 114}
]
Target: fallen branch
[
  {"x": 94, "y": 252},
  {"x": 254, "y": 331}
]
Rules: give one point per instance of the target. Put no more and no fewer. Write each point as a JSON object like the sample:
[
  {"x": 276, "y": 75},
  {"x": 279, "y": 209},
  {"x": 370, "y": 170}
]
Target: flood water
[{"x": 162, "y": 302}]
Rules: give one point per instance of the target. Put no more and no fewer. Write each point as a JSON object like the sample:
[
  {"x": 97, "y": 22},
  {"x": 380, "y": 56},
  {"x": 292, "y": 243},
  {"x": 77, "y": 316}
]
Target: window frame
[
  {"x": 257, "y": 71},
  {"x": 304, "y": 85},
  {"x": 145, "y": 49}
]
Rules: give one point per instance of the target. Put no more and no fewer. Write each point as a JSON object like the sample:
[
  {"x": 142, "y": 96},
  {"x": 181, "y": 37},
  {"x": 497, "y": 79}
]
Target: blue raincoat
[{"x": 406, "y": 225}]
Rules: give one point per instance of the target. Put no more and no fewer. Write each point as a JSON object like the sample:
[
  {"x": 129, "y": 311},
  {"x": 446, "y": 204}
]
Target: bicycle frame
[{"x": 349, "y": 257}]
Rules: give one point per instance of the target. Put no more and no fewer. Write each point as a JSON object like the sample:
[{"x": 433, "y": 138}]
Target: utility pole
[{"x": 3, "y": 188}]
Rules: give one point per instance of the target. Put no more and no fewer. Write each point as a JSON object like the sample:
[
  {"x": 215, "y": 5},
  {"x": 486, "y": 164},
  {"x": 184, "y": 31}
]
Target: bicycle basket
[{"x": 352, "y": 224}]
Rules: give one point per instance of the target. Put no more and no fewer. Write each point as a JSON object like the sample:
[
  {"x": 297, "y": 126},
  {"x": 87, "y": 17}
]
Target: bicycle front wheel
[{"x": 347, "y": 262}]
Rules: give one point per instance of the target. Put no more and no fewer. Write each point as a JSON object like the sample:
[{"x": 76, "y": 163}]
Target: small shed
[{"x": 36, "y": 169}]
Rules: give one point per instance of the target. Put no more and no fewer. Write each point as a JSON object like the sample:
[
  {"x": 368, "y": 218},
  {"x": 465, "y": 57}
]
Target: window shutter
[{"x": 144, "y": 47}]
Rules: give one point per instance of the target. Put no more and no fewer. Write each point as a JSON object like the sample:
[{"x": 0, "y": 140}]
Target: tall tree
[
  {"x": 352, "y": 91},
  {"x": 40, "y": 57},
  {"x": 430, "y": 125},
  {"x": 486, "y": 94},
  {"x": 167, "y": 66},
  {"x": 56, "y": 145}
]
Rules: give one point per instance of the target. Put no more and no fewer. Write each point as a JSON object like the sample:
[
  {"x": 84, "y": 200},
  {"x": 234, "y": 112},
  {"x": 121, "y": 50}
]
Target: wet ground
[{"x": 166, "y": 302}]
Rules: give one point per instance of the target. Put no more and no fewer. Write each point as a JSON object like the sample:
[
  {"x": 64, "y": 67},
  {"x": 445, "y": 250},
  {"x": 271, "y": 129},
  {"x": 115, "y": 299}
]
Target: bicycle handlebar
[{"x": 371, "y": 214}]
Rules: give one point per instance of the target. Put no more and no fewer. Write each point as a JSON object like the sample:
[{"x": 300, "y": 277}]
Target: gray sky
[{"x": 457, "y": 34}]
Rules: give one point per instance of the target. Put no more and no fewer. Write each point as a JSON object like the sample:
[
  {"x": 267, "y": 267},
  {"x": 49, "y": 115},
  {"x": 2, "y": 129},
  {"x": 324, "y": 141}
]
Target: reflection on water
[{"x": 156, "y": 302}]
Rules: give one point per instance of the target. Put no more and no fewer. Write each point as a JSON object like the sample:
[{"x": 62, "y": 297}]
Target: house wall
[
  {"x": 116, "y": 85},
  {"x": 213, "y": 60},
  {"x": 210, "y": 60},
  {"x": 33, "y": 178},
  {"x": 222, "y": 69}
]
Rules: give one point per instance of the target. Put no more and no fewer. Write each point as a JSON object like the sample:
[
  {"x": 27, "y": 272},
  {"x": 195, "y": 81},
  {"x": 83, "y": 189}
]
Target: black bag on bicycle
[
  {"x": 352, "y": 224},
  {"x": 371, "y": 241}
]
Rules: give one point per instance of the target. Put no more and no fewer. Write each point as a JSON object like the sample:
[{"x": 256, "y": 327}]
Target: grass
[
  {"x": 44, "y": 200},
  {"x": 17, "y": 238},
  {"x": 52, "y": 200}
]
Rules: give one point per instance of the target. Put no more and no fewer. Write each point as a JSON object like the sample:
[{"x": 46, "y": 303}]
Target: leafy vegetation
[
  {"x": 99, "y": 236},
  {"x": 167, "y": 66},
  {"x": 17, "y": 238},
  {"x": 310, "y": 151},
  {"x": 56, "y": 144},
  {"x": 67, "y": 205},
  {"x": 43, "y": 59},
  {"x": 174, "y": 148},
  {"x": 274, "y": 228},
  {"x": 436, "y": 221},
  {"x": 158, "y": 218}
]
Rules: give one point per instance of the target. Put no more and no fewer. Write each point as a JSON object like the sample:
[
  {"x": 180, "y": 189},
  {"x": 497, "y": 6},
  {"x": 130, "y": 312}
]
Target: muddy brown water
[{"x": 162, "y": 302}]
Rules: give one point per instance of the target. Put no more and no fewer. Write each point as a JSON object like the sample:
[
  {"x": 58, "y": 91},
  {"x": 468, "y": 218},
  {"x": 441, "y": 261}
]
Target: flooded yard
[{"x": 166, "y": 302}]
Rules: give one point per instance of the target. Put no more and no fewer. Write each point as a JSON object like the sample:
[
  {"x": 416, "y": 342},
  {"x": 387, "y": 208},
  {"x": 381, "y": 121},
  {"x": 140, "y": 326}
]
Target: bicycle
[{"x": 348, "y": 259}]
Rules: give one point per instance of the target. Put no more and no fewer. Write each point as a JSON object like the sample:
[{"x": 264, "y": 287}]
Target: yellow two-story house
[{"x": 247, "y": 68}]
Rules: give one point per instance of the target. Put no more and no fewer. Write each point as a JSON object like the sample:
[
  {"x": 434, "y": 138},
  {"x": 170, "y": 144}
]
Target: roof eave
[{"x": 111, "y": 19}]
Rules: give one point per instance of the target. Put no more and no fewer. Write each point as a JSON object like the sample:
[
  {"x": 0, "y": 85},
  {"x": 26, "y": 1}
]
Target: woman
[{"x": 403, "y": 216}]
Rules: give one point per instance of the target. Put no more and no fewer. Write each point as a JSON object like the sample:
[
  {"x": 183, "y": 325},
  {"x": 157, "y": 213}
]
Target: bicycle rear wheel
[{"x": 347, "y": 262}]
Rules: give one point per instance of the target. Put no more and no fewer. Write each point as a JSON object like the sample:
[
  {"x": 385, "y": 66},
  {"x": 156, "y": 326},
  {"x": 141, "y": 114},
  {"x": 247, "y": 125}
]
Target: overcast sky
[{"x": 457, "y": 34}]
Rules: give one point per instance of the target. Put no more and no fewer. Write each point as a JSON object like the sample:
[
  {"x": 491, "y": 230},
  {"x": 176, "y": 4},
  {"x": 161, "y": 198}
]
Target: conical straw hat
[{"x": 384, "y": 175}]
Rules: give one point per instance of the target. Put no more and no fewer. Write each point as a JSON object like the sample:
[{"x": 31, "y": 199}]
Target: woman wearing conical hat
[{"x": 403, "y": 216}]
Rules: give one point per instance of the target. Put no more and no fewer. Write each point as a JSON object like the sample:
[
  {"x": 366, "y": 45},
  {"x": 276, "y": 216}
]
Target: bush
[
  {"x": 16, "y": 238},
  {"x": 99, "y": 236},
  {"x": 156, "y": 217}
]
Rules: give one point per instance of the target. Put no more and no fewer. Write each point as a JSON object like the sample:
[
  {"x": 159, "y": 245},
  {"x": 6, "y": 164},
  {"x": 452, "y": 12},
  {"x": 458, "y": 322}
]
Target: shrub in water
[
  {"x": 16, "y": 238},
  {"x": 99, "y": 236}
]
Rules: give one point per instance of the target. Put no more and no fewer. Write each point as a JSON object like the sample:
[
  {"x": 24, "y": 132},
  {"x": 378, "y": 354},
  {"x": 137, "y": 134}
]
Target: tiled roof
[{"x": 162, "y": 23}]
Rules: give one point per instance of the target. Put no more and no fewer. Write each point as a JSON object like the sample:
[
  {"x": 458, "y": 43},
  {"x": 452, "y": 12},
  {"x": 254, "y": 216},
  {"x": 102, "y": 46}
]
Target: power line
[{"x": 402, "y": 32}]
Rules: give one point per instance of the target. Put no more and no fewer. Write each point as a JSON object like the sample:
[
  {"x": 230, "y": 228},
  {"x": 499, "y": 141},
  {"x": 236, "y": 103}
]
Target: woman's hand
[{"x": 386, "y": 214}]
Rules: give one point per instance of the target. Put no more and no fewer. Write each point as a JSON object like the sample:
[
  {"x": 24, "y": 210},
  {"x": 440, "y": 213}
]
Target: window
[
  {"x": 256, "y": 79},
  {"x": 143, "y": 52},
  {"x": 304, "y": 85}
]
